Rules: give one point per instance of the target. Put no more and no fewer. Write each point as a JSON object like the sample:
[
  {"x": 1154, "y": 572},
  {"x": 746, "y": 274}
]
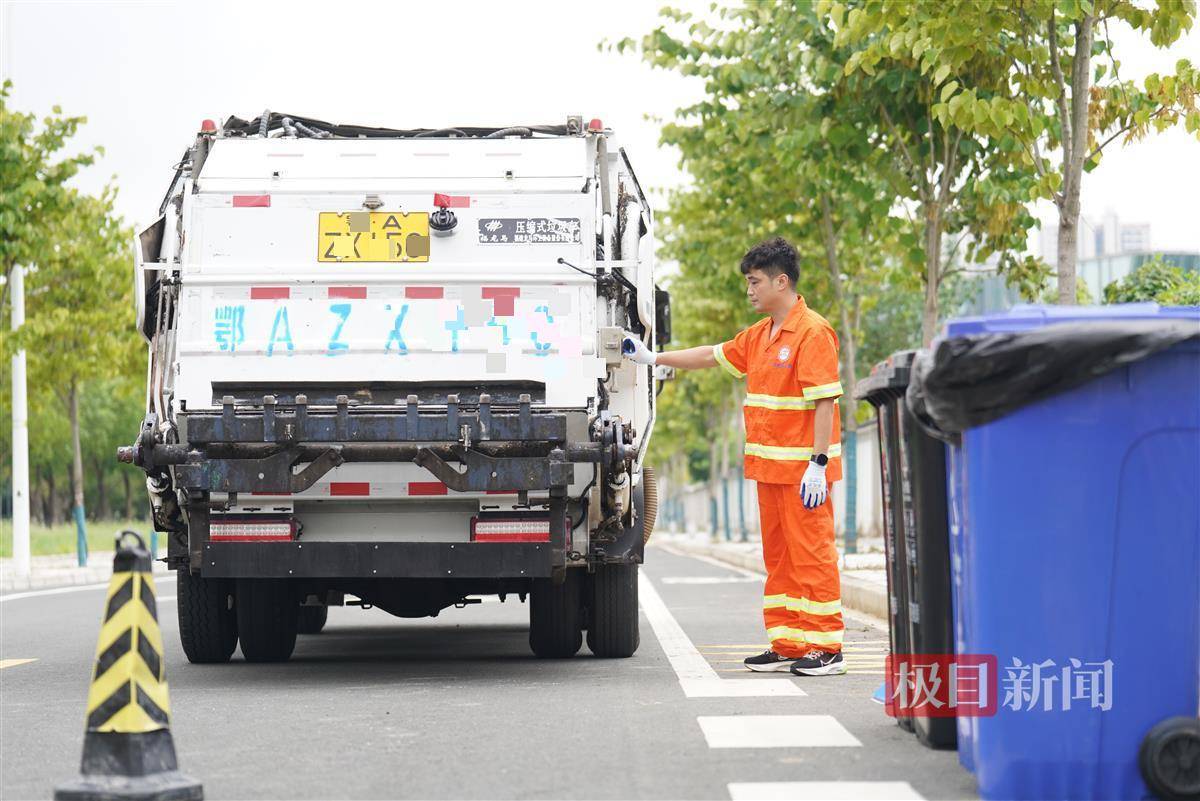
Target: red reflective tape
[
  {"x": 513, "y": 536},
  {"x": 425, "y": 292},
  {"x": 451, "y": 201},
  {"x": 503, "y": 299},
  {"x": 216, "y": 536},
  {"x": 270, "y": 293},
  {"x": 353, "y": 292},
  {"x": 251, "y": 201},
  {"x": 349, "y": 488},
  {"x": 427, "y": 488}
]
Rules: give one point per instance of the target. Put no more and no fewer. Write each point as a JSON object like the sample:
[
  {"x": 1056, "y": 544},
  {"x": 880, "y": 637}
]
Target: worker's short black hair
[{"x": 774, "y": 257}]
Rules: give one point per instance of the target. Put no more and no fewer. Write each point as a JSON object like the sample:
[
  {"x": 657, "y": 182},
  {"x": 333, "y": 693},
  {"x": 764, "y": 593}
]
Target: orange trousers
[{"x": 802, "y": 605}]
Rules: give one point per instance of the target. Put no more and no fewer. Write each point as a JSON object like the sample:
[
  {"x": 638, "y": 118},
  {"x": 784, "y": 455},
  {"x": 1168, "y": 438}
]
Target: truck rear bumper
[{"x": 376, "y": 560}]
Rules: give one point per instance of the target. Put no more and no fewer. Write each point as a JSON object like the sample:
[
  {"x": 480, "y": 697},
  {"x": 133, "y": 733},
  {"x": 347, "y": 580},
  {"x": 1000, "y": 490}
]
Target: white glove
[
  {"x": 813, "y": 489},
  {"x": 635, "y": 351}
]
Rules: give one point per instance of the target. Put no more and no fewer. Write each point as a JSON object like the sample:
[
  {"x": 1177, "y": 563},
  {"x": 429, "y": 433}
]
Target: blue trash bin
[{"x": 1075, "y": 537}]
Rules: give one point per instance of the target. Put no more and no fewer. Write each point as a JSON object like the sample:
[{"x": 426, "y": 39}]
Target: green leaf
[
  {"x": 940, "y": 74},
  {"x": 948, "y": 90}
]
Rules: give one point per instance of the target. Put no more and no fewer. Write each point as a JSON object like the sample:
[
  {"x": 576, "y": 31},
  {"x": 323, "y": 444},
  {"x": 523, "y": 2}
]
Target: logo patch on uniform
[{"x": 784, "y": 352}]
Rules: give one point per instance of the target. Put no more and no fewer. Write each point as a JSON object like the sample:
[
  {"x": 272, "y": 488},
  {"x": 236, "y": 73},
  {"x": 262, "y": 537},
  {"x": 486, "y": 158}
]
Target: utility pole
[{"x": 20, "y": 431}]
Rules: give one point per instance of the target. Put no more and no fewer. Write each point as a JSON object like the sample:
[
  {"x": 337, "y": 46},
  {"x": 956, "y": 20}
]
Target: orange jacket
[{"x": 785, "y": 376}]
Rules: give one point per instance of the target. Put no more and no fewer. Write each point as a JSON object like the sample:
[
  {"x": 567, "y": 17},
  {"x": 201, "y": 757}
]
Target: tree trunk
[
  {"x": 102, "y": 505},
  {"x": 50, "y": 501},
  {"x": 77, "y": 476},
  {"x": 849, "y": 376},
  {"x": 1074, "y": 155},
  {"x": 128, "y": 494},
  {"x": 933, "y": 269}
]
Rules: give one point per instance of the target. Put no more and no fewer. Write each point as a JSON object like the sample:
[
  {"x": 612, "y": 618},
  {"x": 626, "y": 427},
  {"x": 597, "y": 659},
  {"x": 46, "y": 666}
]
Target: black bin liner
[{"x": 966, "y": 381}]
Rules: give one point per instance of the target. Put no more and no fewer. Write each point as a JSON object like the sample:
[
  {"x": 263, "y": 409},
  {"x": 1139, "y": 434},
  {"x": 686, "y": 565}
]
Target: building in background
[{"x": 1105, "y": 235}]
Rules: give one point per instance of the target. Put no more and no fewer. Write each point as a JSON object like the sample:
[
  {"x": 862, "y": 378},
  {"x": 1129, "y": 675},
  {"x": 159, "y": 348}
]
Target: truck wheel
[
  {"x": 312, "y": 619},
  {"x": 613, "y": 628},
  {"x": 267, "y": 615},
  {"x": 207, "y": 621},
  {"x": 555, "y": 622}
]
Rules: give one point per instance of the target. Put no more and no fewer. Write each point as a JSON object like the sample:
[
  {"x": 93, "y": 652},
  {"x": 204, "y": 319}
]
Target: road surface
[{"x": 456, "y": 707}]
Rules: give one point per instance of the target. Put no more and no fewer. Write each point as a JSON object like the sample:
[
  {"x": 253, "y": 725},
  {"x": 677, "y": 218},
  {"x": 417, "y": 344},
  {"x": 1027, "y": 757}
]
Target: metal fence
[{"x": 728, "y": 509}]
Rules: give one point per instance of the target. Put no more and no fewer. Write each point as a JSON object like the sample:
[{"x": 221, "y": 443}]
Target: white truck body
[{"x": 289, "y": 270}]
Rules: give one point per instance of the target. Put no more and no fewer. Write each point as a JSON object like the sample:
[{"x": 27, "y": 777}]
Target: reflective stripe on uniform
[
  {"x": 805, "y": 635},
  {"x": 719, "y": 355},
  {"x": 784, "y": 454},
  {"x": 802, "y": 604},
  {"x": 823, "y": 391},
  {"x": 777, "y": 402}
]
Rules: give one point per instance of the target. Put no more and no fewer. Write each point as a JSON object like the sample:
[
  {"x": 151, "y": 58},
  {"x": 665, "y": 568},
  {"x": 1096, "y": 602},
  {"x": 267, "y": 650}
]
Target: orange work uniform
[{"x": 785, "y": 375}]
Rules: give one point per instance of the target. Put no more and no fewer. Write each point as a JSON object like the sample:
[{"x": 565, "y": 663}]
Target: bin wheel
[
  {"x": 555, "y": 616},
  {"x": 207, "y": 622},
  {"x": 1170, "y": 758},
  {"x": 267, "y": 614},
  {"x": 312, "y": 619}
]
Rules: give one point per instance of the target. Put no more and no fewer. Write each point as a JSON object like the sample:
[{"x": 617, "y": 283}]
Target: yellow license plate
[{"x": 372, "y": 236}]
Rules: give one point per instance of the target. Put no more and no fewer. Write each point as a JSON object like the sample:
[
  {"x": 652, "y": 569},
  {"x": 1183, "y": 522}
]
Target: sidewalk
[
  {"x": 61, "y": 570},
  {"x": 864, "y": 577}
]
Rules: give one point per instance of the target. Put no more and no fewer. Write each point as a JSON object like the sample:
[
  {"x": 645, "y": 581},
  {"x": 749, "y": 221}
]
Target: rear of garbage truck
[{"x": 385, "y": 369}]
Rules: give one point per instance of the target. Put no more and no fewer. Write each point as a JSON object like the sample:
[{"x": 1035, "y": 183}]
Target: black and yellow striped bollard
[{"x": 128, "y": 752}]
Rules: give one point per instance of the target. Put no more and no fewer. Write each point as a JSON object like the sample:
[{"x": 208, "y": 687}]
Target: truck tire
[
  {"x": 555, "y": 619},
  {"x": 207, "y": 621},
  {"x": 312, "y": 619},
  {"x": 267, "y": 615},
  {"x": 613, "y": 627}
]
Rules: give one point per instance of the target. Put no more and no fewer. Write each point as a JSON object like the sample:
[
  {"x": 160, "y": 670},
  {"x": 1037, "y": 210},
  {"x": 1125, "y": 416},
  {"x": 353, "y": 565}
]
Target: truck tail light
[
  {"x": 252, "y": 529},
  {"x": 510, "y": 528}
]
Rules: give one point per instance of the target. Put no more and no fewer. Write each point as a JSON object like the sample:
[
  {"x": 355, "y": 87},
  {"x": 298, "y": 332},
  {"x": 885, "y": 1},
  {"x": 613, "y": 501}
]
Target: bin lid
[
  {"x": 888, "y": 379},
  {"x": 986, "y": 367},
  {"x": 1025, "y": 316}
]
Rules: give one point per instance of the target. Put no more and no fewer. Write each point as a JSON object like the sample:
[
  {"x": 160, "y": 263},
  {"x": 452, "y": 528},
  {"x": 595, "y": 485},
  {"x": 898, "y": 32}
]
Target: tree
[
  {"x": 80, "y": 319},
  {"x": 897, "y": 59},
  {"x": 775, "y": 147},
  {"x": 1157, "y": 281},
  {"x": 1052, "y": 96},
  {"x": 34, "y": 172}
]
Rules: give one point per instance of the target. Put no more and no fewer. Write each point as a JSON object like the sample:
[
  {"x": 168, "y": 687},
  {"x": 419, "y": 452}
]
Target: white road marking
[
  {"x": 7, "y": 663},
  {"x": 163, "y": 598},
  {"x": 775, "y": 731},
  {"x": 17, "y": 596},
  {"x": 696, "y": 676},
  {"x": 708, "y": 579},
  {"x": 823, "y": 791}
]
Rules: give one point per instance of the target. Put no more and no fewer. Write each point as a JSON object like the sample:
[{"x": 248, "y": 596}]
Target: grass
[{"x": 60, "y": 539}]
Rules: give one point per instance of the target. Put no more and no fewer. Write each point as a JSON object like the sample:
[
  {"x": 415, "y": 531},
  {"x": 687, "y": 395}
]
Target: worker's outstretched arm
[{"x": 687, "y": 359}]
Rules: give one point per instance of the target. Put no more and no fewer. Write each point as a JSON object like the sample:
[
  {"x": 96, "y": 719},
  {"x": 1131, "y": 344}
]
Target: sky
[{"x": 145, "y": 74}]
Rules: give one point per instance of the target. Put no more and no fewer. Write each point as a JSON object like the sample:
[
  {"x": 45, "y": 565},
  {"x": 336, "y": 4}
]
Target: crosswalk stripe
[
  {"x": 696, "y": 676},
  {"x": 775, "y": 731},
  {"x": 822, "y": 791}
]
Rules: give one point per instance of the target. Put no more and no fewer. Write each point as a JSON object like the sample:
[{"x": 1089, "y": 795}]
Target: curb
[
  {"x": 57, "y": 571},
  {"x": 857, "y": 594}
]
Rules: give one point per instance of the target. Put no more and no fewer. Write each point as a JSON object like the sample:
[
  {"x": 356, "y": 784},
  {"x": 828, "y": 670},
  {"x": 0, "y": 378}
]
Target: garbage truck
[{"x": 385, "y": 369}]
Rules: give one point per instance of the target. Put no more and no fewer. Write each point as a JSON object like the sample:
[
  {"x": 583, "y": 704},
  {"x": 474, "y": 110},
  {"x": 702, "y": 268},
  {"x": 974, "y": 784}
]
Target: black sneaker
[
  {"x": 819, "y": 663},
  {"x": 769, "y": 661}
]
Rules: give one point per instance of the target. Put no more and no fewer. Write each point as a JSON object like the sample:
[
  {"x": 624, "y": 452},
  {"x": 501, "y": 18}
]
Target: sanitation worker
[{"x": 790, "y": 362}]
